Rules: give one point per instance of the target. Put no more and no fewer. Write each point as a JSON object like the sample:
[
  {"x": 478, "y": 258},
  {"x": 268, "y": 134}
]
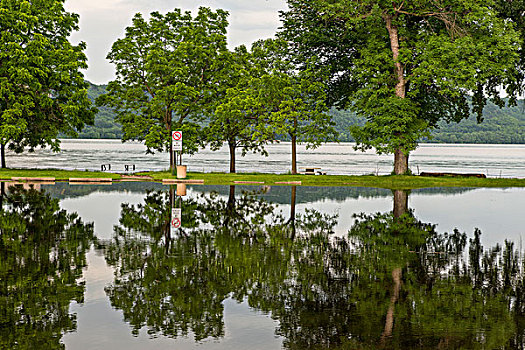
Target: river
[
  {"x": 332, "y": 158},
  {"x": 275, "y": 267}
]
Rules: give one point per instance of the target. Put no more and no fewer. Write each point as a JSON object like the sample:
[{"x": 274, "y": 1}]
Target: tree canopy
[
  {"x": 404, "y": 66},
  {"x": 166, "y": 76},
  {"x": 42, "y": 91}
]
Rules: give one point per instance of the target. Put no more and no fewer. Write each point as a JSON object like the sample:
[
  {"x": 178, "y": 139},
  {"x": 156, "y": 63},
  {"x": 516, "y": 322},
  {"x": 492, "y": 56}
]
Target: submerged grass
[
  {"x": 388, "y": 181},
  {"x": 59, "y": 175}
]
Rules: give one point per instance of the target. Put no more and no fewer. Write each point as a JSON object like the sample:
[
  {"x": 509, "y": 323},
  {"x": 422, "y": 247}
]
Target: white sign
[
  {"x": 176, "y": 220},
  {"x": 176, "y": 140}
]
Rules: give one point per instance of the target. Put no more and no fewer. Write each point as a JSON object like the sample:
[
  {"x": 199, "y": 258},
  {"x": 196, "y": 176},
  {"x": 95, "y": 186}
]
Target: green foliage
[
  {"x": 264, "y": 97},
  {"x": 405, "y": 67},
  {"x": 500, "y": 125},
  {"x": 43, "y": 252},
  {"x": 42, "y": 91},
  {"x": 295, "y": 98},
  {"x": 239, "y": 108},
  {"x": 166, "y": 75}
]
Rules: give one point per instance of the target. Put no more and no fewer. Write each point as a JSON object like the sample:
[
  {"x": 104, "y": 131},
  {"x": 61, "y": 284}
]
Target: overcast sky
[{"x": 104, "y": 21}]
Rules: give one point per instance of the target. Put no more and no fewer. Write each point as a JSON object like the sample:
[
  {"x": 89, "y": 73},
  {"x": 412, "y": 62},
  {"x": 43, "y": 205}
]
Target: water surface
[{"x": 90, "y": 267}]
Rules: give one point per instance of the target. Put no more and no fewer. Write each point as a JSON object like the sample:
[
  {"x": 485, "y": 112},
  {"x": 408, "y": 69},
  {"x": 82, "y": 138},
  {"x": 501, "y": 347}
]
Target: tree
[
  {"x": 295, "y": 99},
  {"x": 239, "y": 108},
  {"x": 166, "y": 76},
  {"x": 406, "y": 65},
  {"x": 42, "y": 91}
]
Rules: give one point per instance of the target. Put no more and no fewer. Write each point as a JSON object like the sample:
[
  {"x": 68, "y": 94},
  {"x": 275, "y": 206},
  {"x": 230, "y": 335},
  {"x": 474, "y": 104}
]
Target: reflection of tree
[
  {"x": 177, "y": 285},
  {"x": 397, "y": 283},
  {"x": 394, "y": 282},
  {"x": 42, "y": 253}
]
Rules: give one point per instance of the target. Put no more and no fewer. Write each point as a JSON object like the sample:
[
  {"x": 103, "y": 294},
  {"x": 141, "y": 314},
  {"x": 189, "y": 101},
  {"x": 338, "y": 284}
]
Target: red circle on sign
[
  {"x": 177, "y": 135},
  {"x": 175, "y": 223}
]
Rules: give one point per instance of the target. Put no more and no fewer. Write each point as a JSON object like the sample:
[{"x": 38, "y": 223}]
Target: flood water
[
  {"x": 92, "y": 267},
  {"x": 333, "y": 158}
]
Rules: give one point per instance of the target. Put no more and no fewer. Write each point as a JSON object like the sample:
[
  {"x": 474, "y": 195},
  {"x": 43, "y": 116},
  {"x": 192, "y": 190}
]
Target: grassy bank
[{"x": 389, "y": 182}]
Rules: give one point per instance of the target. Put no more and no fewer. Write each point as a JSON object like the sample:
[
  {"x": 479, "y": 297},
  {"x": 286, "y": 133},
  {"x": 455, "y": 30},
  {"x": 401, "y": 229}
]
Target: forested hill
[
  {"x": 105, "y": 126},
  {"x": 505, "y": 125}
]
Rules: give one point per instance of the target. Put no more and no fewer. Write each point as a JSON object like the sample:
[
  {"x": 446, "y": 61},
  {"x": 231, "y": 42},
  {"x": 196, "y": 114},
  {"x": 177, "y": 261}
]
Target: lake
[
  {"x": 271, "y": 267},
  {"x": 491, "y": 160}
]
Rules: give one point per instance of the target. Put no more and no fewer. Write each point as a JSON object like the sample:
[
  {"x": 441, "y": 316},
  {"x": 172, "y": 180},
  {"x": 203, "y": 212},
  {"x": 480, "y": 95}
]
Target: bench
[
  {"x": 310, "y": 170},
  {"x": 127, "y": 166}
]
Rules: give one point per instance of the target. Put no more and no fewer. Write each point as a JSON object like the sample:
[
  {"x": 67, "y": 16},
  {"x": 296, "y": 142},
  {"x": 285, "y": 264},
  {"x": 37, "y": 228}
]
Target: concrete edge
[
  {"x": 248, "y": 182},
  {"x": 88, "y": 179},
  {"x": 34, "y": 179},
  {"x": 181, "y": 181}
]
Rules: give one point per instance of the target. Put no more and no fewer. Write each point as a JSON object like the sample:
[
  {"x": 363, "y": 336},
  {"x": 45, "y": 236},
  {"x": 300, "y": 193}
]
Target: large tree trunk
[
  {"x": 400, "y": 162},
  {"x": 231, "y": 145},
  {"x": 2, "y": 155},
  {"x": 400, "y": 158}
]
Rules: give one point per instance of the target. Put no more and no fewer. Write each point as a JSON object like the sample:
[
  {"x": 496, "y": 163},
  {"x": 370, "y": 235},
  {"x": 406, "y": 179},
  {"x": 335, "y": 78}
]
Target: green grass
[{"x": 389, "y": 182}]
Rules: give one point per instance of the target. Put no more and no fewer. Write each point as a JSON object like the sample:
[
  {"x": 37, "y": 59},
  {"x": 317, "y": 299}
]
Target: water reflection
[
  {"x": 393, "y": 282},
  {"x": 42, "y": 254}
]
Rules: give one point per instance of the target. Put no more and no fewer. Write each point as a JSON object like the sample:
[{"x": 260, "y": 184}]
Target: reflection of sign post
[
  {"x": 176, "y": 141},
  {"x": 176, "y": 220}
]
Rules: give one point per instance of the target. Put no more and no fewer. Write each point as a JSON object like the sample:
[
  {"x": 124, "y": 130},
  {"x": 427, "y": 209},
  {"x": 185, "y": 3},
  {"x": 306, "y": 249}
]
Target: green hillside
[
  {"x": 505, "y": 125},
  {"x": 105, "y": 126},
  {"x": 500, "y": 125}
]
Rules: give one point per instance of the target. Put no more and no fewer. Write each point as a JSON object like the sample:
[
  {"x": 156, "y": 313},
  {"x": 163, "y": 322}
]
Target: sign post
[
  {"x": 176, "y": 145},
  {"x": 176, "y": 220},
  {"x": 176, "y": 140}
]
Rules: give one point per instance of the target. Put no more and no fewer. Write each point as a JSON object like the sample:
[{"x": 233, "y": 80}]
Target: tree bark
[
  {"x": 231, "y": 145},
  {"x": 400, "y": 162},
  {"x": 294, "y": 155},
  {"x": 168, "y": 120},
  {"x": 400, "y": 203},
  {"x": 172, "y": 159},
  {"x": 400, "y": 158},
  {"x": 389, "y": 320},
  {"x": 2, "y": 155},
  {"x": 292, "y": 211},
  {"x": 2, "y": 194},
  {"x": 230, "y": 207}
]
